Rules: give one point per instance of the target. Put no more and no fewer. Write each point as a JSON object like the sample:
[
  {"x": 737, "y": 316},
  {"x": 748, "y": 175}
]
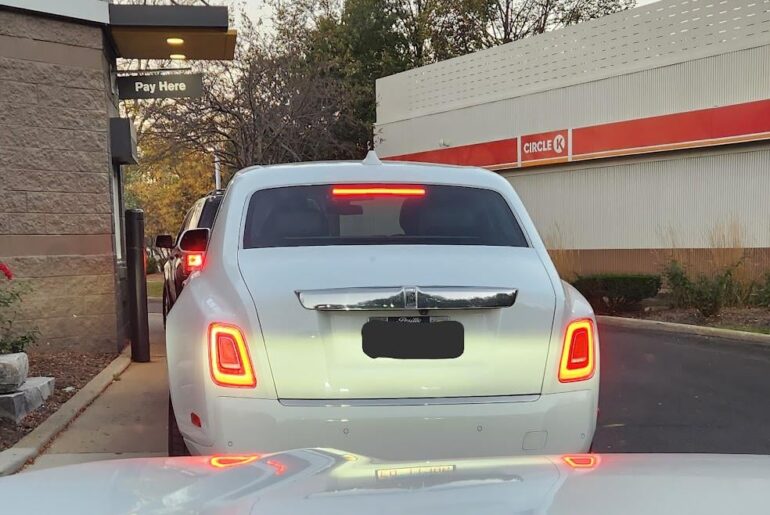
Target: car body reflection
[{"x": 320, "y": 481}]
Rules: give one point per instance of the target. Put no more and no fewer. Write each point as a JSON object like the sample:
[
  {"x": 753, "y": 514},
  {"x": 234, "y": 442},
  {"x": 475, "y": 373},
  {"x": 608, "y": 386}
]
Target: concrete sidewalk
[{"x": 128, "y": 420}]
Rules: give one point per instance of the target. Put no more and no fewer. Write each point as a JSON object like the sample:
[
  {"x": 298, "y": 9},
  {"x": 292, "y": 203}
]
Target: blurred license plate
[
  {"x": 401, "y": 472},
  {"x": 413, "y": 338}
]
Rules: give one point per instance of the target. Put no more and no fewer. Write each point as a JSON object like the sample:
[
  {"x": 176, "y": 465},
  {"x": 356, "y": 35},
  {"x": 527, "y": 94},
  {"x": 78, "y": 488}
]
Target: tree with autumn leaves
[
  {"x": 305, "y": 90},
  {"x": 167, "y": 183}
]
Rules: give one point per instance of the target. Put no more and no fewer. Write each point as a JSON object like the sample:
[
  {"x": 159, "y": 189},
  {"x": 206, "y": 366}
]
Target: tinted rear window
[
  {"x": 445, "y": 215},
  {"x": 209, "y": 213}
]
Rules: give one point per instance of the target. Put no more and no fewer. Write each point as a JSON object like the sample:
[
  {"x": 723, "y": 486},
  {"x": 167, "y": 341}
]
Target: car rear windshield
[
  {"x": 209, "y": 213},
  {"x": 380, "y": 215}
]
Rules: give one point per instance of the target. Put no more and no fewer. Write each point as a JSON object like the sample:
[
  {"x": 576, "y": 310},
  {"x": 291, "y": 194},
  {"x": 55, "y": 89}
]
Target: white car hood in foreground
[{"x": 322, "y": 481}]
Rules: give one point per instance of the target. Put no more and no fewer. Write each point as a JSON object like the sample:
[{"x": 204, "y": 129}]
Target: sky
[{"x": 257, "y": 9}]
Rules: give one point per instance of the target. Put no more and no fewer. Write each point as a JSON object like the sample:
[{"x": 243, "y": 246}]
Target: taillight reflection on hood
[
  {"x": 234, "y": 460},
  {"x": 277, "y": 466},
  {"x": 581, "y": 461},
  {"x": 222, "y": 462}
]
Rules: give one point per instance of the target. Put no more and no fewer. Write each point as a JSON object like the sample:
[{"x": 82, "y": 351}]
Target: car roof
[
  {"x": 327, "y": 172},
  {"x": 214, "y": 193}
]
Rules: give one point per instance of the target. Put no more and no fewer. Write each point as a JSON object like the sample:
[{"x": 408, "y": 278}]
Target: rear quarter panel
[
  {"x": 216, "y": 297},
  {"x": 575, "y": 306}
]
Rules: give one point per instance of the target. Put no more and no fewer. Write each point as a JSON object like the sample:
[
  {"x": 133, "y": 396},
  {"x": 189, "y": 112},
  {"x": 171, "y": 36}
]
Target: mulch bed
[
  {"x": 70, "y": 368},
  {"x": 746, "y": 319}
]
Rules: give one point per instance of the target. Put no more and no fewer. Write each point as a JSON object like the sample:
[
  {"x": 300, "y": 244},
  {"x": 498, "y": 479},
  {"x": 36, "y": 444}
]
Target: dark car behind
[{"x": 179, "y": 265}]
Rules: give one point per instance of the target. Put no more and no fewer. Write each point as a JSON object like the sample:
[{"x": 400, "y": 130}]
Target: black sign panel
[{"x": 160, "y": 86}]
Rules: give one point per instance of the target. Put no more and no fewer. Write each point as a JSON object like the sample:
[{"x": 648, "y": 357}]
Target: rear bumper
[{"x": 550, "y": 424}]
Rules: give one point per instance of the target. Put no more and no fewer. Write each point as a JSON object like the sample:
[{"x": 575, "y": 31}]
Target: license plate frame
[{"x": 418, "y": 319}]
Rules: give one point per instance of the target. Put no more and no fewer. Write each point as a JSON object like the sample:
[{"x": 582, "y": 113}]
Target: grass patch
[
  {"x": 155, "y": 286},
  {"x": 752, "y": 320},
  {"x": 746, "y": 328}
]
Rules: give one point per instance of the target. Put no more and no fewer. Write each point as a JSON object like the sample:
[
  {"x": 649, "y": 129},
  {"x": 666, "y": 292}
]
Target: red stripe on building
[
  {"x": 671, "y": 129},
  {"x": 702, "y": 128},
  {"x": 502, "y": 151}
]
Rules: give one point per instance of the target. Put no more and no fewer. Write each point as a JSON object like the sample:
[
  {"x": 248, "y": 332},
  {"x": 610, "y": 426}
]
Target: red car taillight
[
  {"x": 229, "y": 357},
  {"x": 193, "y": 261},
  {"x": 578, "y": 357},
  {"x": 369, "y": 190}
]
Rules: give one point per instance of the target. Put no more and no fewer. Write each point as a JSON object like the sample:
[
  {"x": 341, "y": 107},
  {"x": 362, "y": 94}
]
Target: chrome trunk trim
[{"x": 407, "y": 298}]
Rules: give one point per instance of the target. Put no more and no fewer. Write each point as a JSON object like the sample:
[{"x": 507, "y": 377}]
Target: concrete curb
[
  {"x": 699, "y": 330},
  {"x": 29, "y": 447}
]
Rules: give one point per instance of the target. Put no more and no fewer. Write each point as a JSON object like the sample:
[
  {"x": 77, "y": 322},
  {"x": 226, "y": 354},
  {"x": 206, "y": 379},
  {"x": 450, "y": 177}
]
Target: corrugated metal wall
[
  {"x": 623, "y": 214},
  {"x": 695, "y": 199},
  {"x": 731, "y": 78},
  {"x": 754, "y": 262},
  {"x": 651, "y": 36}
]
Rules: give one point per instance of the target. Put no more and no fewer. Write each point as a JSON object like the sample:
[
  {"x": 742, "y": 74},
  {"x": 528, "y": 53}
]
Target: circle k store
[{"x": 633, "y": 139}]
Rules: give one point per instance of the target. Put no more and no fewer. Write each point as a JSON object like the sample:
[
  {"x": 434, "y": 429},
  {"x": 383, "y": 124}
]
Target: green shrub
[
  {"x": 737, "y": 293},
  {"x": 761, "y": 296},
  {"x": 613, "y": 293},
  {"x": 154, "y": 264},
  {"x": 19, "y": 342},
  {"x": 679, "y": 285},
  {"x": 706, "y": 293},
  {"x": 709, "y": 294},
  {"x": 12, "y": 339}
]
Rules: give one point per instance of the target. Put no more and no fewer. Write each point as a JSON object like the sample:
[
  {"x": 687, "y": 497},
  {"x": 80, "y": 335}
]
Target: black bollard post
[{"x": 137, "y": 286}]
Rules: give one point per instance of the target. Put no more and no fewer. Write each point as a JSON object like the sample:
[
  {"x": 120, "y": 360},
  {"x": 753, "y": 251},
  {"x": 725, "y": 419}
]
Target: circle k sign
[
  {"x": 559, "y": 145},
  {"x": 547, "y": 145}
]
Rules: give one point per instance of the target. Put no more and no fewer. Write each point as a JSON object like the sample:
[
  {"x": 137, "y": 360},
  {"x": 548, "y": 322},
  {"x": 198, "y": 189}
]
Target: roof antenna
[{"x": 372, "y": 159}]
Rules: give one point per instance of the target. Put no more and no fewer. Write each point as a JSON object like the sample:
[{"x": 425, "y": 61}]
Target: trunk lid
[{"x": 317, "y": 354}]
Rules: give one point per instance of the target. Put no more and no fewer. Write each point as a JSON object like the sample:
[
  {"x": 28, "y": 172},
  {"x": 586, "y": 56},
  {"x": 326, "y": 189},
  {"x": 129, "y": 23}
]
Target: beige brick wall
[{"x": 55, "y": 204}]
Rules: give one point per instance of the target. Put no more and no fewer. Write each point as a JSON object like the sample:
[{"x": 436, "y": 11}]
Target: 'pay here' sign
[{"x": 160, "y": 86}]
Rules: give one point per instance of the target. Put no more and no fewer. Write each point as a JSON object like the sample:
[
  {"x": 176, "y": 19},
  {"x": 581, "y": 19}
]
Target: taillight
[
  {"x": 578, "y": 358},
  {"x": 229, "y": 358},
  {"x": 193, "y": 261},
  {"x": 378, "y": 191}
]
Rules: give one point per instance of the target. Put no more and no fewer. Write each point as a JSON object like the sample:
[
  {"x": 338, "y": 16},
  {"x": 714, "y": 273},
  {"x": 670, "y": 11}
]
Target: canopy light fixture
[
  {"x": 175, "y": 41},
  {"x": 178, "y": 57}
]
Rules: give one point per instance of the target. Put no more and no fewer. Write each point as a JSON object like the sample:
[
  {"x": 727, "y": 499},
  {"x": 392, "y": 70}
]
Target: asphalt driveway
[{"x": 664, "y": 392}]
